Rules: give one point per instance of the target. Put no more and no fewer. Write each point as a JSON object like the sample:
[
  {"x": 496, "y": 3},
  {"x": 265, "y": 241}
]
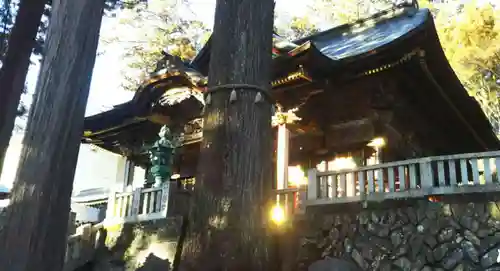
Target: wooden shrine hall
[{"x": 377, "y": 90}]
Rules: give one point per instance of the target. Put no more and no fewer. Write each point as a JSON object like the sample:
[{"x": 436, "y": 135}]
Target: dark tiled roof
[{"x": 338, "y": 44}]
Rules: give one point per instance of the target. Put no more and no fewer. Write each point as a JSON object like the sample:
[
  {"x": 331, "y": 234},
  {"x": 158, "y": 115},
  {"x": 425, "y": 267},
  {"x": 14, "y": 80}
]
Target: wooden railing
[
  {"x": 440, "y": 175},
  {"x": 292, "y": 200},
  {"x": 140, "y": 205}
]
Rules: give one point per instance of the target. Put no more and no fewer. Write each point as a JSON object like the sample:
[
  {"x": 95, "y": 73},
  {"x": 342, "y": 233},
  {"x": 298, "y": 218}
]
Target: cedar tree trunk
[
  {"x": 35, "y": 237},
  {"x": 15, "y": 66},
  {"x": 227, "y": 230}
]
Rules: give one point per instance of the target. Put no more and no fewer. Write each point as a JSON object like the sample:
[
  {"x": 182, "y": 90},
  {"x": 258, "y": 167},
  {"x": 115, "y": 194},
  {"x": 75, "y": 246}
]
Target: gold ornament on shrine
[{"x": 287, "y": 117}]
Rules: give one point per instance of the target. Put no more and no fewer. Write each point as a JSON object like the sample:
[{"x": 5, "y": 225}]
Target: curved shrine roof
[
  {"x": 347, "y": 41},
  {"x": 384, "y": 40},
  {"x": 366, "y": 38}
]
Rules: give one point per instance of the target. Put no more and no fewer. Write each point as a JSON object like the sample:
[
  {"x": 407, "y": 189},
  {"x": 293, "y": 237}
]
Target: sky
[
  {"x": 106, "y": 88},
  {"x": 98, "y": 169},
  {"x": 106, "y": 91}
]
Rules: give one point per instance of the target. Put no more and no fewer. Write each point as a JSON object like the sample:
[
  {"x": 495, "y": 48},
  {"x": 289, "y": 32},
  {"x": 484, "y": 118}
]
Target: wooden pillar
[
  {"x": 120, "y": 174},
  {"x": 378, "y": 155},
  {"x": 282, "y": 154},
  {"x": 129, "y": 175},
  {"x": 111, "y": 206},
  {"x": 124, "y": 175}
]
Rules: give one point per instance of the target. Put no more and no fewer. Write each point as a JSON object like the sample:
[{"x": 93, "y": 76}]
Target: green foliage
[
  {"x": 6, "y": 21},
  {"x": 8, "y": 11},
  {"x": 470, "y": 37},
  {"x": 158, "y": 26},
  {"x": 341, "y": 12},
  {"x": 7, "y": 14},
  {"x": 299, "y": 28},
  {"x": 151, "y": 29},
  {"x": 469, "y": 34},
  {"x": 328, "y": 13}
]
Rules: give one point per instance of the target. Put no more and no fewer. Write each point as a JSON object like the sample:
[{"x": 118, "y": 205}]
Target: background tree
[
  {"x": 26, "y": 38},
  {"x": 470, "y": 36},
  {"x": 35, "y": 236},
  {"x": 340, "y": 12},
  {"x": 227, "y": 230},
  {"x": 15, "y": 65},
  {"x": 148, "y": 29},
  {"x": 297, "y": 28},
  {"x": 7, "y": 8},
  {"x": 6, "y": 21},
  {"x": 8, "y": 11}
]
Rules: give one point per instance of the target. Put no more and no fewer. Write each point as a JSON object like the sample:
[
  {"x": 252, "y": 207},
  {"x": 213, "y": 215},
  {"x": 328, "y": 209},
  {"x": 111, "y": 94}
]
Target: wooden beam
[{"x": 159, "y": 119}]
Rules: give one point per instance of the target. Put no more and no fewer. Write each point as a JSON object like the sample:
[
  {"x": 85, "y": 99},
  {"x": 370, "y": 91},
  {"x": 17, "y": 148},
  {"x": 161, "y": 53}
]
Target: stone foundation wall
[
  {"x": 422, "y": 236},
  {"x": 146, "y": 246}
]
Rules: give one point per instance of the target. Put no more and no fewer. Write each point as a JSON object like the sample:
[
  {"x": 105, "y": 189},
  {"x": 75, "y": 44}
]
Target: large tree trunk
[
  {"x": 35, "y": 237},
  {"x": 231, "y": 191},
  {"x": 15, "y": 67}
]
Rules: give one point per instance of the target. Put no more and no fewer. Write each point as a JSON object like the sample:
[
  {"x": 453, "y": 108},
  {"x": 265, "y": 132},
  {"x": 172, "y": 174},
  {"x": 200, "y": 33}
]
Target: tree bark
[
  {"x": 35, "y": 237},
  {"x": 234, "y": 177},
  {"x": 15, "y": 67}
]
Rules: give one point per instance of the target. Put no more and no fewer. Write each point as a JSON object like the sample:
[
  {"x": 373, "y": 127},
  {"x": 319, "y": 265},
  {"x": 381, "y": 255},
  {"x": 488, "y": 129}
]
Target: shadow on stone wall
[
  {"x": 423, "y": 236},
  {"x": 90, "y": 266},
  {"x": 332, "y": 264},
  {"x": 111, "y": 255},
  {"x": 153, "y": 263},
  {"x": 147, "y": 246}
]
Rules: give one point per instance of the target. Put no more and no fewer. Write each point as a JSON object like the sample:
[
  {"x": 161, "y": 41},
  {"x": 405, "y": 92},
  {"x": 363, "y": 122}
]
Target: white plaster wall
[{"x": 95, "y": 168}]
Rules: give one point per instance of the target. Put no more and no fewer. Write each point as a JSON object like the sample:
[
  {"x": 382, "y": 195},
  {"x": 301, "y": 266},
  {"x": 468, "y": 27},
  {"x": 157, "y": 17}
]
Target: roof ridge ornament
[{"x": 406, "y": 3}]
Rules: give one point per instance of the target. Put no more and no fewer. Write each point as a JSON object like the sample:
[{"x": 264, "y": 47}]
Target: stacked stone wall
[{"x": 423, "y": 236}]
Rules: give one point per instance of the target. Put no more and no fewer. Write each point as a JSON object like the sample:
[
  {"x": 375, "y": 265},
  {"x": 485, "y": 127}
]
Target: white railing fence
[
  {"x": 140, "y": 205},
  {"x": 463, "y": 173}
]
